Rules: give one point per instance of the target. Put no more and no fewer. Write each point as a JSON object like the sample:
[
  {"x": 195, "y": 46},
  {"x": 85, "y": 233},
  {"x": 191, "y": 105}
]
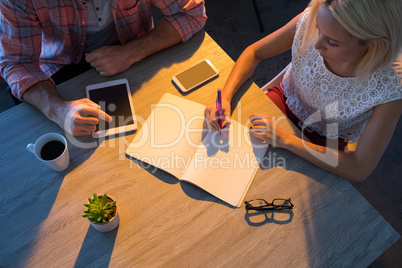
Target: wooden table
[{"x": 165, "y": 222}]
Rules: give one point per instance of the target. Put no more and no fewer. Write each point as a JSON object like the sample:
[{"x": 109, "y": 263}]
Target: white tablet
[{"x": 114, "y": 98}]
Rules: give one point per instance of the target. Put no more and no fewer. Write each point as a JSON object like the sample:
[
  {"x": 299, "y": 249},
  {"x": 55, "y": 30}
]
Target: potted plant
[{"x": 102, "y": 213}]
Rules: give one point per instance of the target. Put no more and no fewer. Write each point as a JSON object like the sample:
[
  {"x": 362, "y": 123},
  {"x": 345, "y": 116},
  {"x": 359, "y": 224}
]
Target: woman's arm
[
  {"x": 274, "y": 44},
  {"x": 354, "y": 166}
]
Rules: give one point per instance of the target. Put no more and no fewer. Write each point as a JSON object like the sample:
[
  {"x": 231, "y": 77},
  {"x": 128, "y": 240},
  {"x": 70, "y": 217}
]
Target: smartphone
[
  {"x": 195, "y": 75},
  {"x": 114, "y": 97}
]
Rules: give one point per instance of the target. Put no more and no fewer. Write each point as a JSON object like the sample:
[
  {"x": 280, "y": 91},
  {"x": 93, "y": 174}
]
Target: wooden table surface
[{"x": 165, "y": 222}]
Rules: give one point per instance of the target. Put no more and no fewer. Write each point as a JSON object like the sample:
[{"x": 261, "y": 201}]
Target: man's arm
[
  {"x": 112, "y": 60},
  {"x": 182, "y": 18},
  {"x": 20, "y": 46},
  {"x": 78, "y": 117}
]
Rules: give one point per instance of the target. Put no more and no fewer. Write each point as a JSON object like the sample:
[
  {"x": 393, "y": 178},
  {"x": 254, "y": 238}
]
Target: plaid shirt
[{"x": 39, "y": 37}]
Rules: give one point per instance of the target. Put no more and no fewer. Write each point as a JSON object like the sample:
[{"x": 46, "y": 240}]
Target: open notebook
[{"x": 173, "y": 139}]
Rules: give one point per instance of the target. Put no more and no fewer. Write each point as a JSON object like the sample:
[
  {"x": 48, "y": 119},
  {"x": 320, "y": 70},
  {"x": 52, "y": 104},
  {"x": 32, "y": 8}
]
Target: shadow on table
[
  {"x": 22, "y": 216},
  {"x": 189, "y": 189},
  {"x": 175, "y": 54},
  {"x": 144, "y": 70},
  {"x": 28, "y": 194},
  {"x": 154, "y": 171},
  {"x": 99, "y": 255},
  {"x": 309, "y": 199},
  {"x": 80, "y": 149},
  {"x": 259, "y": 218},
  {"x": 330, "y": 210},
  {"x": 200, "y": 194}
]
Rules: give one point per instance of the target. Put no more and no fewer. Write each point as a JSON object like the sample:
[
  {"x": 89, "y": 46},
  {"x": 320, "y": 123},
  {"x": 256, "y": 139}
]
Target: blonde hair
[{"x": 377, "y": 24}]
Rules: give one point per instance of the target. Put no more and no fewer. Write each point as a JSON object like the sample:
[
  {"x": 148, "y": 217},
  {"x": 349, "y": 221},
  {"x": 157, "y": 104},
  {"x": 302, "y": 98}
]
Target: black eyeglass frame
[{"x": 269, "y": 206}]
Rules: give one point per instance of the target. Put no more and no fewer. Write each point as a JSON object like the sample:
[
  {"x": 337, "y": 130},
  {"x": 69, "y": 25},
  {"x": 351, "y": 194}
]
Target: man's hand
[
  {"x": 109, "y": 60},
  {"x": 81, "y": 117}
]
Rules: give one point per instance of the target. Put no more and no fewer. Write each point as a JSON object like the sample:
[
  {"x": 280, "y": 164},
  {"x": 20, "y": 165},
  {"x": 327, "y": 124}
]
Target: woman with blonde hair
[{"x": 344, "y": 83}]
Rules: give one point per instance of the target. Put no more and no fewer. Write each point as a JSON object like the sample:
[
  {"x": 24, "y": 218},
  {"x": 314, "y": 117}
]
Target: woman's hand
[
  {"x": 265, "y": 129},
  {"x": 211, "y": 115}
]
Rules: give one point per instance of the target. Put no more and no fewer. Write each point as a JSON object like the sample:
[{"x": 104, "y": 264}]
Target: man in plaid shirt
[{"x": 40, "y": 37}]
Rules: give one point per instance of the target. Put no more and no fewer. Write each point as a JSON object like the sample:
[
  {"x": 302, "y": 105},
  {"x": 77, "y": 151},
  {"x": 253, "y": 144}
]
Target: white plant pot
[{"x": 110, "y": 225}]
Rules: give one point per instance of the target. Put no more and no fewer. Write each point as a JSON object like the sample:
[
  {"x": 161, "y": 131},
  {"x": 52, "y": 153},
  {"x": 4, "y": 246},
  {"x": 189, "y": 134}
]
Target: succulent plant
[{"x": 99, "y": 210}]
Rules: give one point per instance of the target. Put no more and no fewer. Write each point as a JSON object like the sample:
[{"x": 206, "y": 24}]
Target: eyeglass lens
[
  {"x": 258, "y": 203},
  {"x": 281, "y": 202},
  {"x": 276, "y": 203}
]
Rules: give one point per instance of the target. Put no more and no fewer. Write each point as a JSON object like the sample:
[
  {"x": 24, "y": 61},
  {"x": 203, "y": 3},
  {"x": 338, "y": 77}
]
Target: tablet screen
[{"x": 114, "y": 101}]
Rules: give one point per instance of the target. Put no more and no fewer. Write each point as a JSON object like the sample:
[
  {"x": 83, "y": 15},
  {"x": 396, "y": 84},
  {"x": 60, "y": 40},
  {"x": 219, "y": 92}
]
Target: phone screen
[
  {"x": 114, "y": 101},
  {"x": 196, "y": 75}
]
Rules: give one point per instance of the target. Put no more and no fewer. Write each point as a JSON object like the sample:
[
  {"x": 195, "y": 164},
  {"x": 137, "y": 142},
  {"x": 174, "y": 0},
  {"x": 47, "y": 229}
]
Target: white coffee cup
[{"x": 61, "y": 160}]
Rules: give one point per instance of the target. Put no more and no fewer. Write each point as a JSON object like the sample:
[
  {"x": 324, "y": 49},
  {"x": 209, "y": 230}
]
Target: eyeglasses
[{"x": 276, "y": 204}]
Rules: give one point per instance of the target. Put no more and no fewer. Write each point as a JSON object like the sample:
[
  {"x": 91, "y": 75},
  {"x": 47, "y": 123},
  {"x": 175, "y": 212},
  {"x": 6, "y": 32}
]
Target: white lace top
[{"x": 331, "y": 105}]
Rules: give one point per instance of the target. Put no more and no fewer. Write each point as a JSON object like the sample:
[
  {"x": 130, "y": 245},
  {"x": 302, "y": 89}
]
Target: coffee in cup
[{"x": 52, "y": 150}]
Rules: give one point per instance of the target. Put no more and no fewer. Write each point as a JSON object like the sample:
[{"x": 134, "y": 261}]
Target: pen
[{"x": 219, "y": 108}]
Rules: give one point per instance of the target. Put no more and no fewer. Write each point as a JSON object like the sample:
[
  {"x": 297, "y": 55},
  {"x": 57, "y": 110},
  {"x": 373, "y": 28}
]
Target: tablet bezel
[{"x": 115, "y": 130}]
